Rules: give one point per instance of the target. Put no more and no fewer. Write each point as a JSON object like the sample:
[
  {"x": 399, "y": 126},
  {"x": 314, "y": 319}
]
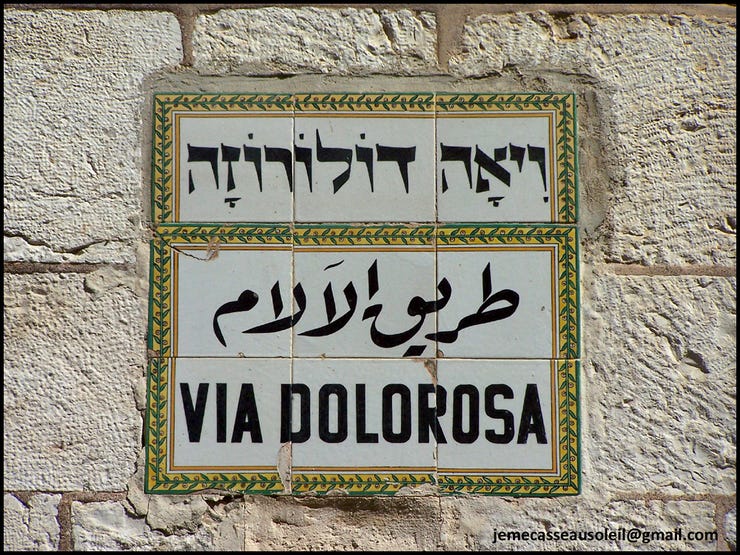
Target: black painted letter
[
  {"x": 388, "y": 392},
  {"x": 341, "y": 393},
  {"x": 246, "y": 408},
  {"x": 457, "y": 413},
  {"x": 501, "y": 414},
  {"x": 194, "y": 415},
  {"x": 532, "y": 421}
]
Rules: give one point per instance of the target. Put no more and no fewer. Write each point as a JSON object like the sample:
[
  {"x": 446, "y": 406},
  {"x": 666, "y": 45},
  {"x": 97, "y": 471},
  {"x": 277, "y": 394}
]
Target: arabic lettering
[
  {"x": 482, "y": 316},
  {"x": 494, "y": 307}
]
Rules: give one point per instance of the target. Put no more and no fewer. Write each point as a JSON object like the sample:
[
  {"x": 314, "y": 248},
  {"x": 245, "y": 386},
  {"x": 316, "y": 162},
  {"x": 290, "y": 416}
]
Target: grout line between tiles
[
  {"x": 436, "y": 281},
  {"x": 289, "y": 485}
]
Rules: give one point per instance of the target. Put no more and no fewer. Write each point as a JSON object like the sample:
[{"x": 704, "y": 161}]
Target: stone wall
[{"x": 656, "y": 94}]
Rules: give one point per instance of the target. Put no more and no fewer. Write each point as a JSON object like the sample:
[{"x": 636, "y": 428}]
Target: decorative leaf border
[
  {"x": 568, "y": 481},
  {"x": 248, "y": 233},
  {"x": 159, "y": 480},
  {"x": 160, "y": 291},
  {"x": 364, "y": 102},
  {"x": 358, "y": 483},
  {"x": 163, "y": 187},
  {"x": 354, "y": 235}
]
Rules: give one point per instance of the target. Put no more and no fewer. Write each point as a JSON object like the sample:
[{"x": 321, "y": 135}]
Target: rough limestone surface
[
  {"x": 74, "y": 348},
  {"x": 665, "y": 89},
  {"x": 476, "y": 524},
  {"x": 170, "y": 514},
  {"x": 308, "y": 40},
  {"x": 658, "y": 384},
  {"x": 731, "y": 529},
  {"x": 73, "y": 165},
  {"x": 31, "y": 526},
  {"x": 344, "y": 524},
  {"x": 106, "y": 526}
]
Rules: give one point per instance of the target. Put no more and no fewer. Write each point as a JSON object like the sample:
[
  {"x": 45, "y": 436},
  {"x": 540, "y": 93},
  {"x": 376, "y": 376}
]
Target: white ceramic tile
[
  {"x": 486, "y": 425},
  {"x": 365, "y": 302},
  {"x": 495, "y": 167},
  {"x": 397, "y": 148},
  {"x": 362, "y": 417},
  {"x": 226, "y": 414},
  {"x": 502, "y": 301},
  {"x": 224, "y": 306},
  {"x": 234, "y": 167}
]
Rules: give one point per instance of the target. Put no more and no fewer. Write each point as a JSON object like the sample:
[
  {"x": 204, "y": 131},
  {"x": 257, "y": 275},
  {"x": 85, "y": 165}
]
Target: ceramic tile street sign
[
  {"x": 425, "y": 344},
  {"x": 383, "y": 291},
  {"x": 364, "y": 158}
]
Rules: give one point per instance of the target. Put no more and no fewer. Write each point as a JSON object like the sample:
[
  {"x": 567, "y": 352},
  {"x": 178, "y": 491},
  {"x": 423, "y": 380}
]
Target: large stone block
[
  {"x": 31, "y": 526},
  {"x": 309, "y": 40},
  {"x": 658, "y": 384},
  {"x": 106, "y": 526},
  {"x": 662, "y": 123},
  {"x": 73, "y": 129},
  {"x": 74, "y": 351},
  {"x": 344, "y": 524}
]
